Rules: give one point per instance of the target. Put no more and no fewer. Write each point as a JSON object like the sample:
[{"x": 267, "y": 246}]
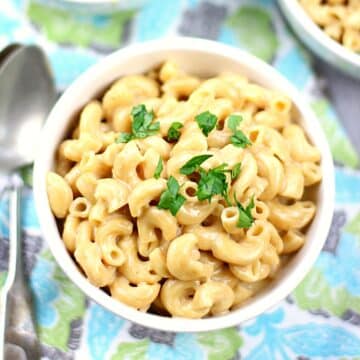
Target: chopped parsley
[
  {"x": 142, "y": 125},
  {"x": 159, "y": 169},
  {"x": 235, "y": 171},
  {"x": 170, "y": 199},
  {"x": 193, "y": 164},
  {"x": 238, "y": 138},
  {"x": 212, "y": 182},
  {"x": 173, "y": 132},
  {"x": 206, "y": 121},
  {"x": 245, "y": 218},
  {"x": 234, "y": 121}
]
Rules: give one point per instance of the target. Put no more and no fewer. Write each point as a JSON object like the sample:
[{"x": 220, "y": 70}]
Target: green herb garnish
[
  {"x": 238, "y": 138},
  {"x": 193, "y": 164},
  {"x": 170, "y": 199},
  {"x": 173, "y": 132},
  {"x": 142, "y": 125},
  {"x": 234, "y": 121},
  {"x": 159, "y": 169},
  {"x": 235, "y": 171},
  {"x": 212, "y": 182},
  {"x": 245, "y": 218},
  {"x": 206, "y": 121}
]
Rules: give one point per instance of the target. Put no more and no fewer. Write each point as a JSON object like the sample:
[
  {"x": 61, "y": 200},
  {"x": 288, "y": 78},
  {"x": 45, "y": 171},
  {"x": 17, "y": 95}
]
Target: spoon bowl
[{"x": 26, "y": 95}]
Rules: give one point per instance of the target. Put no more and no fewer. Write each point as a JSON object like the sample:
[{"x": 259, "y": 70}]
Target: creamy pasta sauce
[{"x": 182, "y": 195}]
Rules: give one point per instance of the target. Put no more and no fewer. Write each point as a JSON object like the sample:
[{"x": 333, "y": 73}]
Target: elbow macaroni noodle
[
  {"x": 339, "y": 19},
  {"x": 199, "y": 262}
]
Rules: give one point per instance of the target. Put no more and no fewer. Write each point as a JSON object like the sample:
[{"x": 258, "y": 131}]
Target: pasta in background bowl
[
  {"x": 182, "y": 191},
  {"x": 322, "y": 27}
]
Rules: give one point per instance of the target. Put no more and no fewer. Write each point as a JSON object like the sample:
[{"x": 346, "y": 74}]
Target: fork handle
[{"x": 15, "y": 274}]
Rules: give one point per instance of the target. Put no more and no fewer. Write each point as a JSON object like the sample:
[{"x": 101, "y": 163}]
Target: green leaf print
[
  {"x": 132, "y": 351},
  {"x": 253, "y": 28},
  {"x": 70, "y": 306},
  {"x": 78, "y": 29},
  {"x": 314, "y": 293},
  {"x": 221, "y": 344},
  {"x": 2, "y": 278},
  {"x": 353, "y": 226},
  {"x": 341, "y": 148},
  {"x": 26, "y": 173}
]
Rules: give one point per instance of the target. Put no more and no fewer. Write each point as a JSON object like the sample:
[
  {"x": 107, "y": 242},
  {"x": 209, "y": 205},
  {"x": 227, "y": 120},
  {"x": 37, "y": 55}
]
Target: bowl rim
[
  {"x": 300, "y": 16},
  {"x": 49, "y": 229}
]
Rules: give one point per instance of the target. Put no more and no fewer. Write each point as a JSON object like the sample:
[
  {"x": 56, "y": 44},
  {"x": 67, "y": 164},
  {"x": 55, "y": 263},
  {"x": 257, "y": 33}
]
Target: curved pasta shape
[
  {"x": 214, "y": 296},
  {"x": 272, "y": 169},
  {"x": 108, "y": 236},
  {"x": 59, "y": 194},
  {"x": 183, "y": 259},
  {"x": 247, "y": 175},
  {"x": 88, "y": 255},
  {"x": 311, "y": 172},
  {"x": 157, "y": 260},
  {"x": 94, "y": 163},
  {"x": 176, "y": 296},
  {"x": 115, "y": 193},
  {"x": 226, "y": 249},
  {"x": 255, "y": 271},
  {"x": 300, "y": 148},
  {"x": 143, "y": 193},
  {"x": 157, "y": 144},
  {"x": 74, "y": 150},
  {"x": 140, "y": 296},
  {"x": 90, "y": 119},
  {"x": 293, "y": 241},
  {"x": 191, "y": 139},
  {"x": 295, "y": 216},
  {"x": 80, "y": 207},
  {"x": 244, "y": 291},
  {"x": 128, "y": 90},
  {"x": 71, "y": 225},
  {"x": 134, "y": 269},
  {"x": 86, "y": 185},
  {"x": 293, "y": 186},
  {"x": 154, "y": 227},
  {"x": 126, "y": 163},
  {"x": 195, "y": 212}
]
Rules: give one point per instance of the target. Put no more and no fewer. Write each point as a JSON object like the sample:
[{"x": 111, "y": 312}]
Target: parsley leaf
[
  {"x": 124, "y": 138},
  {"x": 193, "y": 164},
  {"x": 206, "y": 121},
  {"x": 239, "y": 139},
  {"x": 159, "y": 169},
  {"x": 142, "y": 125},
  {"x": 245, "y": 218},
  {"x": 212, "y": 182},
  {"x": 235, "y": 171},
  {"x": 173, "y": 132},
  {"x": 170, "y": 199},
  {"x": 234, "y": 121}
]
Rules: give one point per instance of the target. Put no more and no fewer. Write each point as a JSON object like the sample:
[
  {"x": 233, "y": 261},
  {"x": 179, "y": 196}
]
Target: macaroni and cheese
[
  {"x": 181, "y": 195},
  {"x": 340, "y": 19}
]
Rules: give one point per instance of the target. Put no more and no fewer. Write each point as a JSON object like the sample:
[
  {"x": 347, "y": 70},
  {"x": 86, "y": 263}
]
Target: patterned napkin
[{"x": 319, "y": 320}]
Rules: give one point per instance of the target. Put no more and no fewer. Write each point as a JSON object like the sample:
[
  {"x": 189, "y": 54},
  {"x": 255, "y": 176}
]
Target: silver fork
[{"x": 17, "y": 325}]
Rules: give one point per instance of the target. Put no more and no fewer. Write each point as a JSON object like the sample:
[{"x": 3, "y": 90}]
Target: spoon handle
[{"x": 15, "y": 273}]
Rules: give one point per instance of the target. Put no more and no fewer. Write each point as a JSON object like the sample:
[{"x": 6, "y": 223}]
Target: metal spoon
[{"x": 26, "y": 96}]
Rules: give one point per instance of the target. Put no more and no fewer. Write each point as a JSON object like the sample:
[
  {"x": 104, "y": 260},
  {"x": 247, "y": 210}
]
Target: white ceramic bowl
[
  {"x": 204, "y": 58},
  {"x": 318, "y": 41}
]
